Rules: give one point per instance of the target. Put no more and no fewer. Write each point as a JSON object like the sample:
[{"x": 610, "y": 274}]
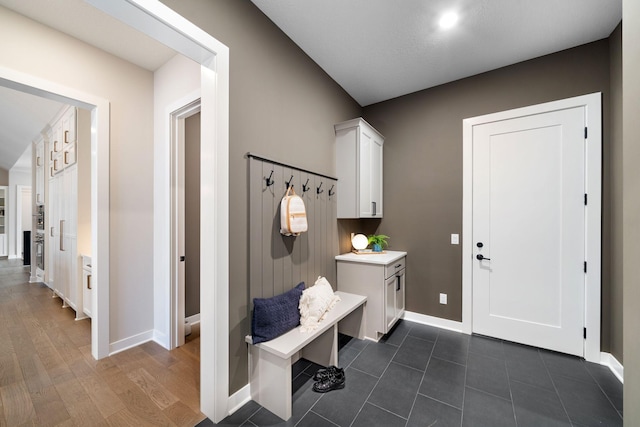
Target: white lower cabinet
[
  {"x": 381, "y": 278},
  {"x": 87, "y": 287}
]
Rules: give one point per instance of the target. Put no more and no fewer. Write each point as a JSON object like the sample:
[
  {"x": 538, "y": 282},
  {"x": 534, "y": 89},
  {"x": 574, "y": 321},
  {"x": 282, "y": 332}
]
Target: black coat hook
[
  {"x": 270, "y": 182},
  {"x": 289, "y": 182},
  {"x": 305, "y": 187},
  {"x": 331, "y": 192},
  {"x": 318, "y": 190}
]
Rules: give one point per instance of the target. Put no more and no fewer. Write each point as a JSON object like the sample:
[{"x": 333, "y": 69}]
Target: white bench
[{"x": 270, "y": 362}]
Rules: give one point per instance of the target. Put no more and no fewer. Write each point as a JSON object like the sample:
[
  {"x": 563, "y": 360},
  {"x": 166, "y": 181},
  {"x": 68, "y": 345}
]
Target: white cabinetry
[
  {"x": 381, "y": 278},
  {"x": 62, "y": 217},
  {"x": 87, "y": 287},
  {"x": 359, "y": 169},
  {"x": 39, "y": 168},
  {"x": 3, "y": 219}
]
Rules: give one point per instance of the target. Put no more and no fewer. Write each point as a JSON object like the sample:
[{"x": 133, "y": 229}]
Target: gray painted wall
[
  {"x": 631, "y": 213},
  {"x": 192, "y": 215},
  {"x": 4, "y": 177},
  {"x": 423, "y": 161}
]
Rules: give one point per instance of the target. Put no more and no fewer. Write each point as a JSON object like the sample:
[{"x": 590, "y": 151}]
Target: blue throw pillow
[{"x": 274, "y": 316}]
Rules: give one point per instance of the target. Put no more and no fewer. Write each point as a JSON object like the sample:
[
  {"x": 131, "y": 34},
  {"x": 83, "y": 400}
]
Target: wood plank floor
[{"x": 49, "y": 378}]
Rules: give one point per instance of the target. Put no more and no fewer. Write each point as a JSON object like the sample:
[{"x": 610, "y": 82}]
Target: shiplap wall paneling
[
  {"x": 277, "y": 262},
  {"x": 307, "y": 262}
]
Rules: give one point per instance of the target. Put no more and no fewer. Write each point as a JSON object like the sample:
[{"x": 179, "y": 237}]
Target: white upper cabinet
[
  {"x": 359, "y": 169},
  {"x": 39, "y": 167}
]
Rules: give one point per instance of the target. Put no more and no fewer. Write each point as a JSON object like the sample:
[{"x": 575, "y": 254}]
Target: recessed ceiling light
[{"x": 448, "y": 20}]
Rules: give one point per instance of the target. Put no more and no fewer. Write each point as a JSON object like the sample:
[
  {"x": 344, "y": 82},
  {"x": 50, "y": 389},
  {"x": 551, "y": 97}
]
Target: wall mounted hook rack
[
  {"x": 305, "y": 186},
  {"x": 331, "y": 192},
  {"x": 289, "y": 182},
  {"x": 318, "y": 190}
]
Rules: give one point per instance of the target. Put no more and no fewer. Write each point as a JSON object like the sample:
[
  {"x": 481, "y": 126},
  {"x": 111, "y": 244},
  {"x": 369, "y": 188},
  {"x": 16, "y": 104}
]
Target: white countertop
[{"x": 384, "y": 258}]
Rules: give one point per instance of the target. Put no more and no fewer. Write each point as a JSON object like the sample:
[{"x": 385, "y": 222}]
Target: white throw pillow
[{"x": 314, "y": 304}]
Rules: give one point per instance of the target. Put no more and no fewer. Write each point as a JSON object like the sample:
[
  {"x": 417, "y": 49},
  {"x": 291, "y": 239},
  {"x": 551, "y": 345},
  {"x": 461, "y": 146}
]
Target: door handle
[
  {"x": 373, "y": 208},
  {"x": 480, "y": 257}
]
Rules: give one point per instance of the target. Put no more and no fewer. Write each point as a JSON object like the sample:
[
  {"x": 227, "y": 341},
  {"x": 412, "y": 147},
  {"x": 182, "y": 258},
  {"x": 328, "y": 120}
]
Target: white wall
[
  {"x": 176, "y": 81},
  {"x": 31, "y": 48},
  {"x": 16, "y": 177}
]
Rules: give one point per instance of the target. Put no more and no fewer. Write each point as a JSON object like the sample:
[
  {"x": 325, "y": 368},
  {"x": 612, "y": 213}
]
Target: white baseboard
[
  {"x": 127, "y": 343},
  {"x": 161, "y": 338},
  {"x": 607, "y": 359},
  {"x": 195, "y": 319},
  {"x": 238, "y": 399},
  {"x": 438, "y": 322}
]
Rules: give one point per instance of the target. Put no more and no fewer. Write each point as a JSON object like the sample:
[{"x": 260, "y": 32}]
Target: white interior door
[{"x": 529, "y": 226}]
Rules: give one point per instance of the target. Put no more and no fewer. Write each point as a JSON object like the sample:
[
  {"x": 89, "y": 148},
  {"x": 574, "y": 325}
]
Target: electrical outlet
[
  {"x": 443, "y": 298},
  {"x": 455, "y": 239}
]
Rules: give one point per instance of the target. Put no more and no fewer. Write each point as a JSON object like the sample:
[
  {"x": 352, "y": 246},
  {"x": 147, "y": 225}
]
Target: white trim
[
  {"x": 20, "y": 190},
  {"x": 238, "y": 399},
  {"x": 158, "y": 21},
  {"x": 593, "y": 186},
  {"x": 100, "y": 142},
  {"x": 161, "y": 338},
  {"x": 130, "y": 342},
  {"x": 438, "y": 322},
  {"x": 193, "y": 320},
  {"x": 609, "y": 360}
]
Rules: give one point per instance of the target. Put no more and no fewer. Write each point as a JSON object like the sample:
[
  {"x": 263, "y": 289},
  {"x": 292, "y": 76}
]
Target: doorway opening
[
  {"x": 23, "y": 223},
  {"x": 100, "y": 118},
  {"x": 185, "y": 220}
]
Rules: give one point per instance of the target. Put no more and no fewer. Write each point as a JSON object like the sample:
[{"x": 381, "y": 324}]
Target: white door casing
[
  {"x": 528, "y": 218},
  {"x": 592, "y": 212},
  {"x": 100, "y": 119},
  {"x": 158, "y": 21}
]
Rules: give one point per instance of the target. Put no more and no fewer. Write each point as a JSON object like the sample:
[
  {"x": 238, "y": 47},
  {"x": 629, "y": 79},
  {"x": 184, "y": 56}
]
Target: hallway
[{"x": 48, "y": 376}]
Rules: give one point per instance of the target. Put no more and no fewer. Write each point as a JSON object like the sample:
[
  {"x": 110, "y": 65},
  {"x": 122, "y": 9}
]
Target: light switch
[
  {"x": 443, "y": 298},
  {"x": 455, "y": 239}
]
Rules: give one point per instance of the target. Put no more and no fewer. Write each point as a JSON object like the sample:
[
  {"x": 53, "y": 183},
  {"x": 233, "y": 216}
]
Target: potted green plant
[{"x": 377, "y": 242}]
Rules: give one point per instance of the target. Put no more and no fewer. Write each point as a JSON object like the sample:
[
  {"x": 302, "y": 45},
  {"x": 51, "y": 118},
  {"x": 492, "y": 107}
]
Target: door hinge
[
  {"x": 585, "y": 133},
  {"x": 584, "y": 333},
  {"x": 585, "y": 266}
]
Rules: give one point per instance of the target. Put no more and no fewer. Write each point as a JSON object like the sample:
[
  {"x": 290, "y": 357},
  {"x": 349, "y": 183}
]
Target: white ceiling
[
  {"x": 375, "y": 49},
  {"x": 22, "y": 118},
  {"x": 381, "y": 49}
]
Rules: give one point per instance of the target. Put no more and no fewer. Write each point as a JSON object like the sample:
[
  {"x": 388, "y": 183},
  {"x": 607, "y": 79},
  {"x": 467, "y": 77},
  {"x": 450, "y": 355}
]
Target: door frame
[
  {"x": 161, "y": 23},
  {"x": 100, "y": 142},
  {"x": 177, "y": 122},
  {"x": 20, "y": 190},
  {"x": 593, "y": 216}
]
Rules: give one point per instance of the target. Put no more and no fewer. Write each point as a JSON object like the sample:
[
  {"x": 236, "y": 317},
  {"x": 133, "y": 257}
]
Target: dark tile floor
[{"x": 424, "y": 376}]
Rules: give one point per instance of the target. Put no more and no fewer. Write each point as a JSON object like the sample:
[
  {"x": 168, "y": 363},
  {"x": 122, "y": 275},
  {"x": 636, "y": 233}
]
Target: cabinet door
[
  {"x": 370, "y": 175},
  {"x": 390, "y": 303},
  {"x": 52, "y": 222},
  {"x": 87, "y": 302},
  {"x": 400, "y": 296},
  {"x": 376, "y": 176},
  {"x": 69, "y": 127}
]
